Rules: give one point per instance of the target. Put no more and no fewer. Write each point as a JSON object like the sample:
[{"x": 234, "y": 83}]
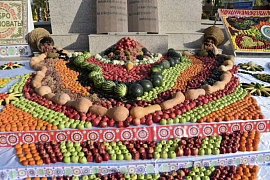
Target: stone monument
[{"x": 74, "y": 25}]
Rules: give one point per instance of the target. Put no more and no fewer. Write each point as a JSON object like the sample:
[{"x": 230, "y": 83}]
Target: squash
[
  {"x": 61, "y": 98},
  {"x": 41, "y": 74},
  {"x": 119, "y": 113},
  {"x": 139, "y": 112},
  {"x": 129, "y": 66},
  {"x": 228, "y": 65},
  {"x": 177, "y": 99},
  {"x": 194, "y": 93},
  {"x": 44, "y": 69},
  {"x": 226, "y": 77},
  {"x": 98, "y": 110},
  {"x": 37, "y": 67},
  {"x": 42, "y": 56},
  {"x": 36, "y": 83},
  {"x": 43, "y": 90},
  {"x": 49, "y": 96},
  {"x": 219, "y": 85},
  {"x": 82, "y": 105}
]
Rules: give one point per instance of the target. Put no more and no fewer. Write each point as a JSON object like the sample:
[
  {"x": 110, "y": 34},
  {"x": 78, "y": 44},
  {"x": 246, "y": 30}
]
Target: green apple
[
  {"x": 201, "y": 151},
  {"x": 140, "y": 176},
  {"x": 83, "y": 160},
  {"x": 156, "y": 155},
  {"x": 196, "y": 169},
  {"x": 159, "y": 145},
  {"x": 75, "y": 159},
  {"x": 208, "y": 151},
  {"x": 201, "y": 174},
  {"x": 111, "y": 151},
  {"x": 172, "y": 154},
  {"x": 92, "y": 177},
  {"x": 67, "y": 154},
  {"x": 164, "y": 154},
  {"x": 204, "y": 146},
  {"x": 73, "y": 125},
  {"x": 74, "y": 153},
  {"x": 210, "y": 146},
  {"x": 207, "y": 173},
  {"x": 134, "y": 176},
  {"x": 67, "y": 124},
  {"x": 108, "y": 147},
  {"x": 193, "y": 120},
  {"x": 216, "y": 151},
  {"x": 81, "y": 154},
  {"x": 156, "y": 176},
  {"x": 188, "y": 178},
  {"x": 124, "y": 151},
  {"x": 113, "y": 144},
  {"x": 170, "y": 121},
  {"x": 119, "y": 143},
  {"x": 85, "y": 177},
  {"x": 71, "y": 149},
  {"x": 217, "y": 145},
  {"x": 88, "y": 125},
  {"x": 148, "y": 176},
  {"x": 63, "y": 146},
  {"x": 172, "y": 149},
  {"x": 118, "y": 151},
  {"x": 211, "y": 141},
  {"x": 128, "y": 156},
  {"x": 182, "y": 120},
  {"x": 219, "y": 138},
  {"x": 202, "y": 169},
  {"x": 61, "y": 126},
  {"x": 176, "y": 120},
  {"x": 119, "y": 156},
  {"x": 205, "y": 141},
  {"x": 69, "y": 144},
  {"x": 163, "y": 122},
  {"x": 75, "y": 178},
  {"x": 78, "y": 148},
  {"x": 126, "y": 176},
  {"x": 62, "y": 143},
  {"x": 67, "y": 159},
  {"x": 213, "y": 138},
  {"x": 212, "y": 168},
  {"x": 191, "y": 173},
  {"x": 157, "y": 149},
  {"x": 77, "y": 144},
  {"x": 196, "y": 177},
  {"x": 206, "y": 138},
  {"x": 122, "y": 147},
  {"x": 163, "y": 142},
  {"x": 176, "y": 140},
  {"x": 165, "y": 149},
  {"x": 115, "y": 148},
  {"x": 71, "y": 120},
  {"x": 113, "y": 156},
  {"x": 205, "y": 178},
  {"x": 170, "y": 142},
  {"x": 106, "y": 143}
]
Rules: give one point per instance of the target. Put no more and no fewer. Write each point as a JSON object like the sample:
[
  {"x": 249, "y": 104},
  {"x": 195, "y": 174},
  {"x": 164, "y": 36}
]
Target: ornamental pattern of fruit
[
  {"x": 11, "y": 65},
  {"x": 251, "y": 66},
  {"x": 262, "y": 77},
  {"x": 194, "y": 173},
  {"x": 245, "y": 32},
  {"x": 89, "y": 151}
]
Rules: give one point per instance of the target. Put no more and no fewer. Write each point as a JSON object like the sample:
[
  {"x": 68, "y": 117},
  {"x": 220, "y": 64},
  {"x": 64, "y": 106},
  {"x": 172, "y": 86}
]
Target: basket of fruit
[
  {"x": 214, "y": 33},
  {"x": 39, "y": 39}
]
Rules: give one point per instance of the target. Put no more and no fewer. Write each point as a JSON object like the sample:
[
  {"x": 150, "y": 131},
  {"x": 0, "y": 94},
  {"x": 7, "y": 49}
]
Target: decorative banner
[
  {"x": 15, "y": 50},
  {"x": 8, "y": 139},
  {"x": 13, "y": 22},
  {"x": 112, "y": 16},
  {"x": 244, "y": 29},
  {"x": 143, "y": 16},
  {"x": 149, "y": 167}
]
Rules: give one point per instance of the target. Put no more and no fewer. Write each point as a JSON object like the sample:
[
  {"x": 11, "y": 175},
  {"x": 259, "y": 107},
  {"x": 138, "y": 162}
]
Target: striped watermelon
[
  {"x": 84, "y": 64},
  {"x": 93, "y": 74},
  {"x": 98, "y": 81},
  {"x": 78, "y": 60},
  {"x": 121, "y": 90},
  {"x": 90, "y": 66},
  {"x": 97, "y": 68},
  {"x": 108, "y": 86}
]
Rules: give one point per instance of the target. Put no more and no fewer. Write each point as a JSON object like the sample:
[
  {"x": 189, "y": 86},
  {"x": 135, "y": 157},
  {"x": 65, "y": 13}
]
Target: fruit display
[
  {"x": 251, "y": 66},
  {"x": 90, "y": 151},
  {"x": 247, "y": 29},
  {"x": 7, "y": 98},
  {"x": 257, "y": 89},
  {"x": 11, "y": 65},
  {"x": 194, "y": 173},
  {"x": 18, "y": 86},
  {"x": 262, "y": 77}
]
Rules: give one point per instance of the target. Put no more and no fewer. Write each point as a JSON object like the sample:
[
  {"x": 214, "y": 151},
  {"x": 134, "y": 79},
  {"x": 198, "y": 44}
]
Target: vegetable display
[{"x": 11, "y": 65}]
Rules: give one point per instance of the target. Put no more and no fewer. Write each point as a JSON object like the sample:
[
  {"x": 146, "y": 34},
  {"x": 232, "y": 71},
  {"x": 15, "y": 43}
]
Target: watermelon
[
  {"x": 93, "y": 74},
  {"x": 121, "y": 90},
  {"x": 136, "y": 90},
  {"x": 170, "y": 51},
  {"x": 172, "y": 62},
  {"x": 97, "y": 68},
  {"x": 156, "y": 68},
  {"x": 175, "y": 54},
  {"x": 98, "y": 81},
  {"x": 166, "y": 64},
  {"x": 108, "y": 86},
  {"x": 86, "y": 55},
  {"x": 147, "y": 85},
  {"x": 159, "y": 74},
  {"x": 78, "y": 60},
  {"x": 90, "y": 66},
  {"x": 177, "y": 60},
  {"x": 84, "y": 64},
  {"x": 156, "y": 81},
  {"x": 160, "y": 65}
]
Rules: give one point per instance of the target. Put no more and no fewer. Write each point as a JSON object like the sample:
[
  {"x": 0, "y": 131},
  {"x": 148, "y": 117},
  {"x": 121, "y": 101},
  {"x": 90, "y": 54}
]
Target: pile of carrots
[
  {"x": 14, "y": 119},
  {"x": 28, "y": 154},
  {"x": 70, "y": 77},
  {"x": 188, "y": 73},
  {"x": 243, "y": 109}
]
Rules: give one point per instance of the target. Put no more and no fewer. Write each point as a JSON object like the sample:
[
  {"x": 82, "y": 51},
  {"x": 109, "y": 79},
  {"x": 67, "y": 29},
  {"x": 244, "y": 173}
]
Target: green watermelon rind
[
  {"x": 108, "y": 86},
  {"x": 121, "y": 90}
]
